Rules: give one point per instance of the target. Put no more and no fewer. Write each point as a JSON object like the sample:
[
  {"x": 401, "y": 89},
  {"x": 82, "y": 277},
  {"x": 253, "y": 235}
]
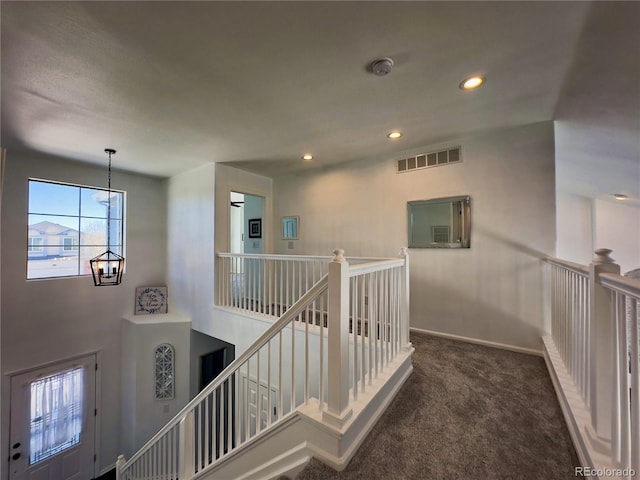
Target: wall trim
[
  {"x": 303, "y": 435},
  {"x": 478, "y": 341},
  {"x": 576, "y": 414},
  {"x": 289, "y": 464},
  {"x": 371, "y": 419},
  {"x": 106, "y": 470}
]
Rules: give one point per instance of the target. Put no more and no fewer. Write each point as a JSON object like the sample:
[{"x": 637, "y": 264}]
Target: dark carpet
[{"x": 466, "y": 412}]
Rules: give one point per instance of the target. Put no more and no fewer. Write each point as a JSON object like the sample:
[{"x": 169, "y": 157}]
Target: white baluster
[
  {"x": 258, "y": 395},
  {"x": 269, "y": 400},
  {"x": 405, "y": 324},
  {"x": 354, "y": 328},
  {"x": 635, "y": 384},
  {"x": 620, "y": 436},
  {"x": 209, "y": 404}
]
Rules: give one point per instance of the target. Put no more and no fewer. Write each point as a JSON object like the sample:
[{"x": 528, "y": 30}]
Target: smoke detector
[{"x": 382, "y": 66}]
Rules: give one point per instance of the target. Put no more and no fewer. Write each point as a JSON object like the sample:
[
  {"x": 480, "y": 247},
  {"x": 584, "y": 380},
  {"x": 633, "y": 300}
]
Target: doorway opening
[
  {"x": 222, "y": 407},
  {"x": 211, "y": 365},
  {"x": 246, "y": 223},
  {"x": 246, "y": 236}
]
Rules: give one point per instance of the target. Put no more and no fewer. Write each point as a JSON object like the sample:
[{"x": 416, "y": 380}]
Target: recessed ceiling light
[
  {"x": 471, "y": 83},
  {"x": 307, "y": 157},
  {"x": 621, "y": 196},
  {"x": 394, "y": 135}
]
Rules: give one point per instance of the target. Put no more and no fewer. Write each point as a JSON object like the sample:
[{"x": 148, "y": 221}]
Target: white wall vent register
[{"x": 427, "y": 160}]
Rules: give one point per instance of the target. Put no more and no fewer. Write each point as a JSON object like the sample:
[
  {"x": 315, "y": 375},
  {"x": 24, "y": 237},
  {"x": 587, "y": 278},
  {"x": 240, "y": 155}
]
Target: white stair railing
[
  {"x": 625, "y": 434},
  {"x": 378, "y": 318},
  {"x": 570, "y": 327},
  {"x": 269, "y": 284},
  {"x": 323, "y": 347},
  {"x": 594, "y": 340},
  {"x": 225, "y": 416}
]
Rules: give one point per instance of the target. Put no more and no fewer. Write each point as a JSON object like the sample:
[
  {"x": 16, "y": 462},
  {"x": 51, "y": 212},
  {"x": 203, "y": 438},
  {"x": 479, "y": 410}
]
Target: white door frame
[{"x": 97, "y": 359}]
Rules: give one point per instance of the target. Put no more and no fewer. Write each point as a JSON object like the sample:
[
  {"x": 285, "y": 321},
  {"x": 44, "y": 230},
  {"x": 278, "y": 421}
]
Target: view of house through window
[{"x": 68, "y": 227}]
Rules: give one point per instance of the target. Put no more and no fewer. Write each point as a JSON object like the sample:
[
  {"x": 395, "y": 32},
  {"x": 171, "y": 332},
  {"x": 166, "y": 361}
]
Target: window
[
  {"x": 70, "y": 244},
  {"x": 56, "y": 414},
  {"x": 35, "y": 244},
  {"x": 68, "y": 227}
]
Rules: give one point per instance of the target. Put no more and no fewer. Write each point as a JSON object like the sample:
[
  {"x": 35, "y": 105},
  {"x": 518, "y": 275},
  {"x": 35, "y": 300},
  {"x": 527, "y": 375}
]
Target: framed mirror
[
  {"x": 290, "y": 227},
  {"x": 439, "y": 223}
]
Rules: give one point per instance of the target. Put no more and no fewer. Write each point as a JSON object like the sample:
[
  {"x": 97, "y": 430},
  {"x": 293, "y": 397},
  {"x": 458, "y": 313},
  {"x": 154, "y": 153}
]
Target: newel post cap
[
  {"x": 338, "y": 255},
  {"x": 602, "y": 256},
  {"x": 404, "y": 252},
  {"x": 119, "y": 464}
]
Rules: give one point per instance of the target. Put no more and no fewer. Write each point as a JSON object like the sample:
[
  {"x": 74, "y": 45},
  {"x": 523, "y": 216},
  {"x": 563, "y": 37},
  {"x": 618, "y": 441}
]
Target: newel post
[
  {"x": 405, "y": 324},
  {"x": 186, "y": 450},
  {"x": 119, "y": 463},
  {"x": 602, "y": 353},
  {"x": 338, "y": 411}
]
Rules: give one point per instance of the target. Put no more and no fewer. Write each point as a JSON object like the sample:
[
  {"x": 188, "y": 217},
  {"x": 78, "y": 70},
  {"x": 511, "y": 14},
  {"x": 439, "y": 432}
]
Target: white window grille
[
  {"x": 164, "y": 371},
  {"x": 71, "y": 221}
]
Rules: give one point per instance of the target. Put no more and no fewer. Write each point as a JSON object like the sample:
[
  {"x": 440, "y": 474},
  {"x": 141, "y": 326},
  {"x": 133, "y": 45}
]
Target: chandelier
[{"x": 107, "y": 268}]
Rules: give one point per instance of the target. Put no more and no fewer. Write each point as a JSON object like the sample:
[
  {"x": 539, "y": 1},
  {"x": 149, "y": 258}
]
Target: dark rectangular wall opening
[{"x": 211, "y": 364}]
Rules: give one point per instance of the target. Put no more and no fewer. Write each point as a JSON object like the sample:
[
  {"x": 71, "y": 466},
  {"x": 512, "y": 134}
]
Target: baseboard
[
  {"x": 107, "y": 469},
  {"x": 576, "y": 414},
  {"x": 477, "y": 341},
  {"x": 371, "y": 418},
  {"x": 574, "y": 417},
  {"x": 288, "y": 464},
  {"x": 286, "y": 448}
]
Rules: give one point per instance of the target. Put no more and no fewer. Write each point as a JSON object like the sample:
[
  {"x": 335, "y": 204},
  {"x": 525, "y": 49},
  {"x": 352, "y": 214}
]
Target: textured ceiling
[{"x": 173, "y": 85}]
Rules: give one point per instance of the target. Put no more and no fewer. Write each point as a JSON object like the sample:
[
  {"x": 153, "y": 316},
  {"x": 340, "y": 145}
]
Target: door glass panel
[{"x": 56, "y": 413}]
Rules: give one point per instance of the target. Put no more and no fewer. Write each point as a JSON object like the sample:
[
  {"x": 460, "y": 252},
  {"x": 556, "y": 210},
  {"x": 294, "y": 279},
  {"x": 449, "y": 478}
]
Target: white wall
[
  {"x": 190, "y": 243},
  {"x": 46, "y": 321},
  {"x": 596, "y": 132},
  {"x": 574, "y": 239},
  {"x": 492, "y": 291},
  {"x": 143, "y": 415},
  {"x": 584, "y": 224},
  {"x": 617, "y": 226},
  {"x": 198, "y": 199}
]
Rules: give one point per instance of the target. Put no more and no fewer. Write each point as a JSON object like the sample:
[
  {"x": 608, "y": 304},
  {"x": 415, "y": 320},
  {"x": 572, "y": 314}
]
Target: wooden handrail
[
  {"x": 622, "y": 284},
  {"x": 364, "y": 268},
  {"x": 574, "y": 267},
  {"x": 301, "y": 258}
]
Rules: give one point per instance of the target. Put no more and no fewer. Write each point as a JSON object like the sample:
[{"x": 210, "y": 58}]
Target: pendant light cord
[{"x": 109, "y": 208}]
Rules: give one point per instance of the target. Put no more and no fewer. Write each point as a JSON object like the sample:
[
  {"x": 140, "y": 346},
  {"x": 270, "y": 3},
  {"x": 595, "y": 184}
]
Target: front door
[{"x": 53, "y": 422}]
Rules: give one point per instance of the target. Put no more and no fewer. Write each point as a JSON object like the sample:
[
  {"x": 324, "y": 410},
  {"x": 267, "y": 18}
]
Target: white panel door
[
  {"x": 53, "y": 422},
  {"x": 266, "y": 405}
]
